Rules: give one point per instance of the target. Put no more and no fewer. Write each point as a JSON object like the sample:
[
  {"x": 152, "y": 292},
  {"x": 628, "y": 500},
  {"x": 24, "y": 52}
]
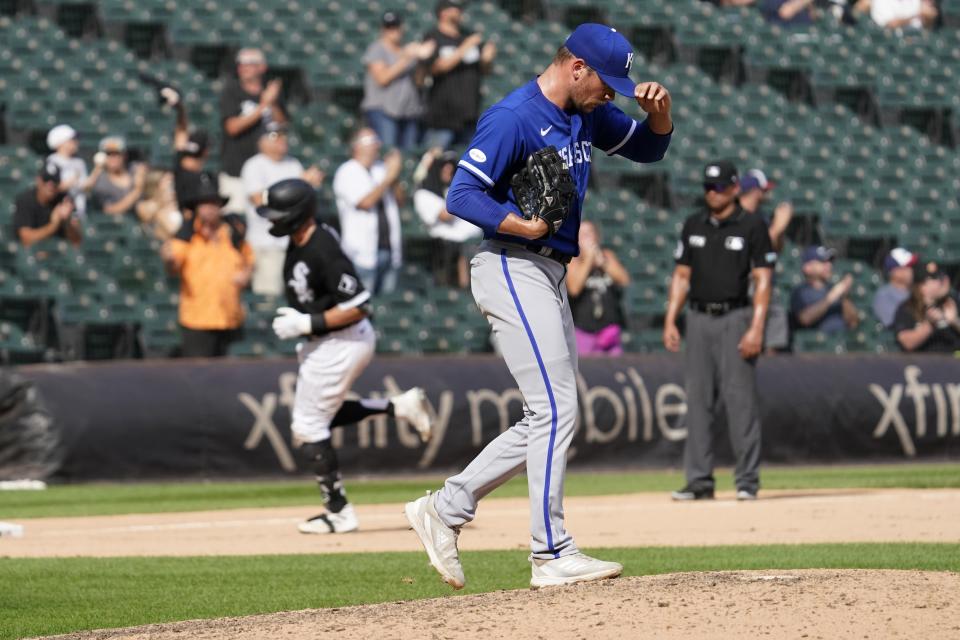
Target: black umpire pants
[
  {"x": 715, "y": 371},
  {"x": 203, "y": 343}
]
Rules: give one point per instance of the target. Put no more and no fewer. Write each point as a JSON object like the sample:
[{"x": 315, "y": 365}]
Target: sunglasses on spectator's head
[
  {"x": 713, "y": 186},
  {"x": 114, "y": 152}
]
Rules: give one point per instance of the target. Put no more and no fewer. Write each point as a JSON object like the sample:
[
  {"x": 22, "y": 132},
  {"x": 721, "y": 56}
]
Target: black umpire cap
[
  {"x": 288, "y": 204},
  {"x": 721, "y": 172}
]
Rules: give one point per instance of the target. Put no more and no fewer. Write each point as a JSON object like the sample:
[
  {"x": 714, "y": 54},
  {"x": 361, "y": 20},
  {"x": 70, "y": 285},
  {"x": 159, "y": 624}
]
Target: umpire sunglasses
[{"x": 716, "y": 186}]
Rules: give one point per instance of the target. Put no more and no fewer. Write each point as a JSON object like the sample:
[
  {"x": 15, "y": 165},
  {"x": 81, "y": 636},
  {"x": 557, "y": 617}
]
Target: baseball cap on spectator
[
  {"x": 59, "y": 135},
  {"x": 274, "y": 127},
  {"x": 443, "y": 5},
  {"x": 197, "y": 143},
  {"x": 605, "y": 51},
  {"x": 899, "y": 257},
  {"x": 204, "y": 188},
  {"x": 721, "y": 172},
  {"x": 927, "y": 271},
  {"x": 755, "y": 179},
  {"x": 49, "y": 172},
  {"x": 391, "y": 19},
  {"x": 818, "y": 253},
  {"x": 113, "y": 144}
]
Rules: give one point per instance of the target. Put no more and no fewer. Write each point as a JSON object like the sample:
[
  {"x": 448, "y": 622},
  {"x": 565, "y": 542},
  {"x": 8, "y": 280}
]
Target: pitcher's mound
[{"x": 744, "y": 604}]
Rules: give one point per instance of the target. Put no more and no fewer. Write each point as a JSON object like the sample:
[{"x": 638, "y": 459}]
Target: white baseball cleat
[
  {"x": 577, "y": 567},
  {"x": 438, "y": 540},
  {"x": 343, "y": 521},
  {"x": 412, "y": 407}
]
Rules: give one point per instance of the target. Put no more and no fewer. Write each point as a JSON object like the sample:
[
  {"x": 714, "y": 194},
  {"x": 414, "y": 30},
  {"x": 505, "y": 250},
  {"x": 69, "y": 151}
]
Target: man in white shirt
[
  {"x": 271, "y": 165},
  {"x": 369, "y": 216},
  {"x": 904, "y": 14},
  {"x": 458, "y": 238}
]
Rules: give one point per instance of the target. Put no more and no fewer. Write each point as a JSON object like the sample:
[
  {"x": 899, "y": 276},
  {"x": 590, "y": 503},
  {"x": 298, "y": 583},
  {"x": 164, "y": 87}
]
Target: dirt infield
[
  {"x": 628, "y": 520},
  {"x": 833, "y": 605}
]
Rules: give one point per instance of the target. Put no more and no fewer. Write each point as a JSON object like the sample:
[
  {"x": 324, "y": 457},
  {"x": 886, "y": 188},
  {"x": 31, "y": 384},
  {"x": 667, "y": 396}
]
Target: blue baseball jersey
[{"x": 520, "y": 124}]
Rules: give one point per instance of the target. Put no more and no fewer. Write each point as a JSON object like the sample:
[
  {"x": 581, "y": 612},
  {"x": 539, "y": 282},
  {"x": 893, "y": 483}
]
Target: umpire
[{"x": 720, "y": 249}]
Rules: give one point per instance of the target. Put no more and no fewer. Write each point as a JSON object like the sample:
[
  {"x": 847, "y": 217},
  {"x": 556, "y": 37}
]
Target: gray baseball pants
[
  {"x": 714, "y": 370},
  {"x": 524, "y": 297}
]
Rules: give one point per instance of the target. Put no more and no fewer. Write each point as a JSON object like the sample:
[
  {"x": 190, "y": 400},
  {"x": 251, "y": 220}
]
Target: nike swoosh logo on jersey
[{"x": 544, "y": 132}]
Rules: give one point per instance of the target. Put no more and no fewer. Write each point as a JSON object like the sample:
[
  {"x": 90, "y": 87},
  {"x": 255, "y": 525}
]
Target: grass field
[
  {"x": 47, "y": 596},
  {"x": 64, "y": 595},
  {"x": 110, "y": 499}
]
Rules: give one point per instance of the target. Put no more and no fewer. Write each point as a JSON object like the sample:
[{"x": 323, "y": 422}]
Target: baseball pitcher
[{"x": 523, "y": 181}]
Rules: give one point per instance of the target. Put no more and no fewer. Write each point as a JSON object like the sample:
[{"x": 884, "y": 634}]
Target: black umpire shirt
[
  {"x": 721, "y": 254},
  {"x": 318, "y": 276}
]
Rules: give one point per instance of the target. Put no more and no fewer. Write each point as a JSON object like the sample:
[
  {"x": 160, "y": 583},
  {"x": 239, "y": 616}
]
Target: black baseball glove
[{"x": 544, "y": 189}]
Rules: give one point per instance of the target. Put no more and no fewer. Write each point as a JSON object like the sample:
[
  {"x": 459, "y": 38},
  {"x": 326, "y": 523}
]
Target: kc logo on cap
[
  {"x": 713, "y": 171},
  {"x": 602, "y": 48}
]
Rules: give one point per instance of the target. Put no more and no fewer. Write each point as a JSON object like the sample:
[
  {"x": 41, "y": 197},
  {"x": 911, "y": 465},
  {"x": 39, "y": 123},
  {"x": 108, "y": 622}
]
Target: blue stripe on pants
[{"x": 553, "y": 403}]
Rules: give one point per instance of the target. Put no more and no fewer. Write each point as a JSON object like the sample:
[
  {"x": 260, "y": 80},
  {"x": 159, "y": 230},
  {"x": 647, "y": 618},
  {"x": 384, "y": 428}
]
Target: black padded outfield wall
[{"x": 231, "y": 418}]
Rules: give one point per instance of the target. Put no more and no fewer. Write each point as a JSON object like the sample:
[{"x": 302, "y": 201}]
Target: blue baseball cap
[
  {"x": 817, "y": 253},
  {"x": 605, "y": 51}
]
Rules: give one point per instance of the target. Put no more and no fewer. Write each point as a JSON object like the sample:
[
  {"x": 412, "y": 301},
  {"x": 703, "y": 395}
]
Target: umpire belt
[
  {"x": 718, "y": 308},
  {"x": 548, "y": 252}
]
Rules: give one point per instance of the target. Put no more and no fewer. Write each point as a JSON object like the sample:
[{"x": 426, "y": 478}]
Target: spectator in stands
[
  {"x": 595, "y": 283},
  {"x": 366, "y": 190},
  {"x": 74, "y": 179},
  {"x": 755, "y": 189},
  {"x": 391, "y": 98},
  {"x": 898, "y": 267},
  {"x": 789, "y": 13},
  {"x": 159, "y": 210},
  {"x": 214, "y": 266},
  {"x": 456, "y": 238},
  {"x": 904, "y": 14},
  {"x": 117, "y": 189},
  {"x": 731, "y": 3},
  {"x": 259, "y": 173},
  {"x": 246, "y": 105},
  {"x": 815, "y": 305},
  {"x": 45, "y": 212},
  {"x": 928, "y": 320},
  {"x": 456, "y": 66},
  {"x": 191, "y": 147}
]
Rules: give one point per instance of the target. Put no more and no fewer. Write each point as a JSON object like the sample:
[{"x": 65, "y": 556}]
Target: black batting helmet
[{"x": 288, "y": 204}]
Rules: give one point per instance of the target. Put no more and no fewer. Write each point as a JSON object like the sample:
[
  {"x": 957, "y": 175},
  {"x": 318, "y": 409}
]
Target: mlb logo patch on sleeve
[
  {"x": 348, "y": 284},
  {"x": 477, "y": 156}
]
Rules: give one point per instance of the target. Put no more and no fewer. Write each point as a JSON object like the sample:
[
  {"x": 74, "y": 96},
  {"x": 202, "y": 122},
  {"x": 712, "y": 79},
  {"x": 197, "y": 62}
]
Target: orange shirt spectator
[{"x": 214, "y": 267}]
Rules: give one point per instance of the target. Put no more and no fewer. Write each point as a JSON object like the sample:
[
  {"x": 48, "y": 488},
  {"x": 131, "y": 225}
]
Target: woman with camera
[{"x": 929, "y": 320}]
